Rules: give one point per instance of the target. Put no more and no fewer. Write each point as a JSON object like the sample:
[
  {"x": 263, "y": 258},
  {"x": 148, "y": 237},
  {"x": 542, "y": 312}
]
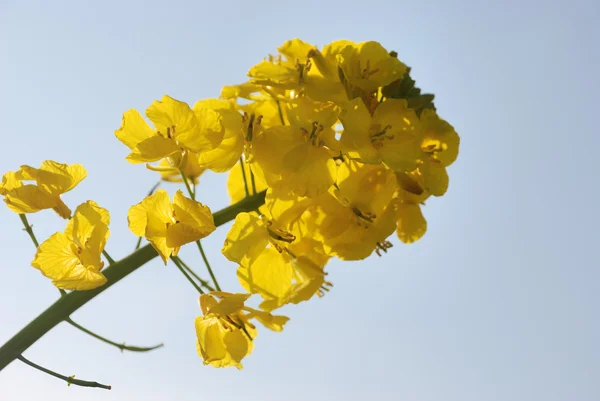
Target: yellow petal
[
  {"x": 55, "y": 178},
  {"x": 227, "y": 154},
  {"x": 227, "y": 304},
  {"x": 355, "y": 141},
  {"x": 235, "y": 181},
  {"x": 193, "y": 221},
  {"x": 29, "y": 199},
  {"x": 56, "y": 259},
  {"x": 272, "y": 322},
  {"x": 153, "y": 149},
  {"x": 411, "y": 223},
  {"x": 173, "y": 117},
  {"x": 210, "y": 132},
  {"x": 246, "y": 239},
  {"x": 134, "y": 129},
  {"x": 308, "y": 170},
  {"x": 435, "y": 177},
  {"x": 271, "y": 274}
]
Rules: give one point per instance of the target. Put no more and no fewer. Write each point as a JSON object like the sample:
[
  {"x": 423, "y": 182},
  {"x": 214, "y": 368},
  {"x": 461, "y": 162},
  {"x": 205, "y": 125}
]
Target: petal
[
  {"x": 226, "y": 155},
  {"x": 29, "y": 199},
  {"x": 308, "y": 170},
  {"x": 9, "y": 182},
  {"x": 355, "y": 140},
  {"x": 55, "y": 178},
  {"x": 271, "y": 274},
  {"x": 153, "y": 149},
  {"x": 272, "y": 322},
  {"x": 210, "y": 339},
  {"x": 172, "y": 117},
  {"x": 56, "y": 260},
  {"x": 193, "y": 221},
  {"x": 411, "y": 223},
  {"x": 246, "y": 239},
  {"x": 209, "y": 132},
  {"x": 134, "y": 129},
  {"x": 236, "y": 184},
  {"x": 435, "y": 177}
]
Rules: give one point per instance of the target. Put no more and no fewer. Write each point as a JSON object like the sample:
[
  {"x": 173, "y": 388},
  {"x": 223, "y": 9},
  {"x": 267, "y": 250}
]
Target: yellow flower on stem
[
  {"x": 224, "y": 332},
  {"x": 440, "y": 145},
  {"x": 298, "y": 158},
  {"x": 168, "y": 226},
  {"x": 357, "y": 216},
  {"x": 52, "y": 179},
  {"x": 392, "y": 135},
  {"x": 369, "y": 66},
  {"x": 73, "y": 259},
  {"x": 268, "y": 263},
  {"x": 177, "y": 129}
]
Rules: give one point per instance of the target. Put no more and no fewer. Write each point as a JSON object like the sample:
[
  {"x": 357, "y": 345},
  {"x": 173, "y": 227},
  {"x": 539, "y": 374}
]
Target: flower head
[
  {"x": 72, "y": 259},
  {"x": 224, "y": 333},
  {"x": 392, "y": 135},
  {"x": 168, "y": 226},
  {"x": 177, "y": 129},
  {"x": 52, "y": 179}
]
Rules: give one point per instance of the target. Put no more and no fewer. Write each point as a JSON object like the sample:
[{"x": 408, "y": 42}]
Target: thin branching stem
[
  {"x": 203, "y": 283},
  {"x": 111, "y": 261},
  {"x": 29, "y": 229},
  {"x": 69, "y": 379},
  {"x": 191, "y": 280},
  {"x": 212, "y": 275},
  {"x": 187, "y": 185},
  {"x": 122, "y": 347}
]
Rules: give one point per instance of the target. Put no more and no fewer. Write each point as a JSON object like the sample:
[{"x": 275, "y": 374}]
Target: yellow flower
[
  {"x": 168, "y": 226},
  {"x": 392, "y": 135},
  {"x": 369, "y": 66},
  {"x": 52, "y": 180},
  {"x": 224, "y": 156},
  {"x": 300, "y": 67},
  {"x": 358, "y": 218},
  {"x": 72, "y": 259},
  {"x": 440, "y": 145},
  {"x": 177, "y": 129},
  {"x": 224, "y": 333},
  {"x": 296, "y": 158},
  {"x": 288, "y": 72},
  {"x": 272, "y": 262}
]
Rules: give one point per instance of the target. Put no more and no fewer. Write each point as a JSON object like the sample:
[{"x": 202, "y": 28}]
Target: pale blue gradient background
[{"x": 499, "y": 301}]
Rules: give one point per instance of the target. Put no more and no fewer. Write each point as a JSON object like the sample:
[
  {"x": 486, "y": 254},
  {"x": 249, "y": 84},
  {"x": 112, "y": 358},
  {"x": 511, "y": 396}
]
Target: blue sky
[{"x": 498, "y": 301}]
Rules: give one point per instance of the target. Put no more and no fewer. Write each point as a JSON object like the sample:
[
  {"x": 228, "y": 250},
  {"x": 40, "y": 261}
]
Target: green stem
[
  {"x": 203, "y": 283},
  {"x": 65, "y": 306},
  {"x": 252, "y": 179},
  {"x": 122, "y": 347},
  {"x": 280, "y": 112},
  {"x": 187, "y": 185},
  {"x": 29, "y": 230},
  {"x": 244, "y": 176},
  {"x": 69, "y": 380},
  {"x": 191, "y": 280},
  {"x": 139, "y": 243},
  {"x": 212, "y": 275},
  {"x": 111, "y": 261}
]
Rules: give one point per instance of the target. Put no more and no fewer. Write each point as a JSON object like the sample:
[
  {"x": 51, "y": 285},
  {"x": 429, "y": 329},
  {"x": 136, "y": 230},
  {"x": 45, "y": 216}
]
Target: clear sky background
[{"x": 499, "y": 301}]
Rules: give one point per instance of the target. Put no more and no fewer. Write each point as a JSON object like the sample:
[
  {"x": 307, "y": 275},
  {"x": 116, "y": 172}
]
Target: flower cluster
[{"x": 345, "y": 145}]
